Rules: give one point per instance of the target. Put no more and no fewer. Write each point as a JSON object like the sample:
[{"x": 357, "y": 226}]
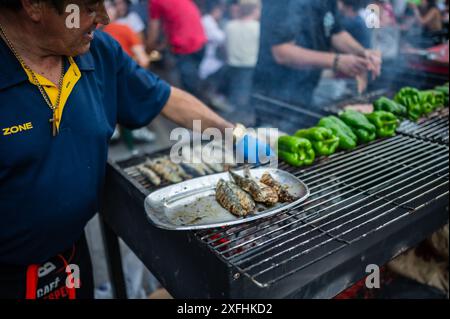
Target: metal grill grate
[
  {"x": 353, "y": 195},
  {"x": 433, "y": 128},
  {"x": 366, "y": 98}
]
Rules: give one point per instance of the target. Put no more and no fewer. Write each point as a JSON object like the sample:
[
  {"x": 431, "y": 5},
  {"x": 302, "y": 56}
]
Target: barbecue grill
[
  {"x": 366, "y": 206},
  {"x": 433, "y": 128}
]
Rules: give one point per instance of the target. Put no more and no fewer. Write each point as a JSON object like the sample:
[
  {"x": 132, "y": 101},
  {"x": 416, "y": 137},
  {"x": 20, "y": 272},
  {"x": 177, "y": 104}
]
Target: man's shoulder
[
  {"x": 103, "y": 41},
  {"x": 103, "y": 51},
  {"x": 104, "y": 46}
]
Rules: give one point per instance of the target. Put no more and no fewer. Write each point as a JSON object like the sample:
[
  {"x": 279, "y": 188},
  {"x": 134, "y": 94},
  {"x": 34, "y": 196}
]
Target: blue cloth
[
  {"x": 50, "y": 186},
  {"x": 253, "y": 151}
]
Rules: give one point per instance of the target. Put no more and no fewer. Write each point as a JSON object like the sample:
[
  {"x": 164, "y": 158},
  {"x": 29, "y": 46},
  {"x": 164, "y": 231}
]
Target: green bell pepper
[
  {"x": 322, "y": 139},
  {"x": 443, "y": 88},
  {"x": 296, "y": 151},
  {"x": 410, "y": 98},
  {"x": 347, "y": 139},
  {"x": 431, "y": 100},
  {"x": 365, "y": 130},
  {"x": 385, "y": 122},
  {"x": 388, "y": 105}
]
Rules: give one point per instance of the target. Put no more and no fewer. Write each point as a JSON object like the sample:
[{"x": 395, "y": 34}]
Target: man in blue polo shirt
[{"x": 62, "y": 91}]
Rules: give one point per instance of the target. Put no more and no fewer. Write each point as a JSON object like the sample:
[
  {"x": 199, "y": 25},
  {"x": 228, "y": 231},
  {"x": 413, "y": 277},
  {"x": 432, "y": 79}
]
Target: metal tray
[{"x": 192, "y": 205}]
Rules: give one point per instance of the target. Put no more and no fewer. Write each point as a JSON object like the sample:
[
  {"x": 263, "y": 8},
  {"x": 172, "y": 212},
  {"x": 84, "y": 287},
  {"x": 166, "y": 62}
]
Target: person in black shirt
[{"x": 297, "y": 37}]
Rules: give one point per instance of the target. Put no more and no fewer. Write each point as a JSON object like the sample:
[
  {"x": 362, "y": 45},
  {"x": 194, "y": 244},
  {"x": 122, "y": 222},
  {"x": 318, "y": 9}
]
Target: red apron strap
[
  {"x": 70, "y": 291},
  {"x": 32, "y": 281}
]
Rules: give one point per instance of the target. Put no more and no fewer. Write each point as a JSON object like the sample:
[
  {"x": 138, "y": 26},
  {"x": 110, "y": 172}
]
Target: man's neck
[{"x": 26, "y": 42}]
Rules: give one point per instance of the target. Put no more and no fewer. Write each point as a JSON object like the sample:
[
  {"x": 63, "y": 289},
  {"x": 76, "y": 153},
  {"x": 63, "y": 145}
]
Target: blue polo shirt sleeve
[{"x": 141, "y": 95}]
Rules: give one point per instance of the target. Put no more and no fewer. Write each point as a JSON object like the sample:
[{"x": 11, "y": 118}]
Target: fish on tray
[
  {"x": 149, "y": 174},
  {"x": 260, "y": 192},
  {"x": 234, "y": 199},
  {"x": 283, "y": 194}
]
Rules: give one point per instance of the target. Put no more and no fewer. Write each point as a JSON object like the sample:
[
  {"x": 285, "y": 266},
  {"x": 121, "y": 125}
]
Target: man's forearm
[
  {"x": 293, "y": 56},
  {"x": 183, "y": 108},
  {"x": 343, "y": 42}
]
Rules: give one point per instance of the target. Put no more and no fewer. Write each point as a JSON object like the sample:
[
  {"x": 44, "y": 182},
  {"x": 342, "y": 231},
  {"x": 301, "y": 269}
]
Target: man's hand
[
  {"x": 374, "y": 61},
  {"x": 351, "y": 65}
]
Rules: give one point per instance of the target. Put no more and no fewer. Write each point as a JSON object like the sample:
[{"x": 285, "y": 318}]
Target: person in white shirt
[
  {"x": 242, "y": 44},
  {"x": 216, "y": 39},
  {"x": 129, "y": 18}
]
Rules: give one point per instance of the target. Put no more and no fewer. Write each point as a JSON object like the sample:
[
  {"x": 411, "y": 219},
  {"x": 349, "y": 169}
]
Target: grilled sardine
[
  {"x": 234, "y": 199},
  {"x": 163, "y": 170},
  {"x": 175, "y": 167},
  {"x": 200, "y": 168},
  {"x": 283, "y": 194},
  {"x": 260, "y": 192},
  {"x": 149, "y": 174},
  {"x": 218, "y": 168}
]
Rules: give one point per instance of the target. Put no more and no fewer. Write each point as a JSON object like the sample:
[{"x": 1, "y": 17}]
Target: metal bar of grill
[
  {"x": 433, "y": 128},
  {"x": 360, "y": 207},
  {"x": 392, "y": 149},
  {"x": 385, "y": 178}
]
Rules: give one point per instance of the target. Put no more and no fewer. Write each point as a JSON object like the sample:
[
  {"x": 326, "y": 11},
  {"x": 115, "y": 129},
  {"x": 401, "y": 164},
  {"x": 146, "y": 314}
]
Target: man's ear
[{"x": 34, "y": 9}]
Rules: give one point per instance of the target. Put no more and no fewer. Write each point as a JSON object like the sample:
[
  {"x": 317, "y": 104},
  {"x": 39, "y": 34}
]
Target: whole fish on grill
[
  {"x": 175, "y": 167},
  {"x": 163, "y": 170},
  {"x": 218, "y": 168},
  {"x": 149, "y": 174},
  {"x": 215, "y": 160},
  {"x": 200, "y": 168},
  {"x": 260, "y": 192},
  {"x": 234, "y": 199},
  {"x": 283, "y": 194}
]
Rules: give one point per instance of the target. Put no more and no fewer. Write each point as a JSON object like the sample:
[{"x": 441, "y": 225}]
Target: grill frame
[{"x": 221, "y": 278}]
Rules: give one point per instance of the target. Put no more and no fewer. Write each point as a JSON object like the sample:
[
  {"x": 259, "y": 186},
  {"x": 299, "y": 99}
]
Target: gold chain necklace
[{"x": 54, "y": 120}]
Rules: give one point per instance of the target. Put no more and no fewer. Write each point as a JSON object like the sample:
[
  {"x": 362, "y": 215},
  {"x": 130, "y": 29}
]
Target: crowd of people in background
[{"x": 217, "y": 46}]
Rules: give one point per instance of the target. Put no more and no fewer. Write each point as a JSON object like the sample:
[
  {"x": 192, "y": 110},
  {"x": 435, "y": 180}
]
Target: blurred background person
[
  {"x": 141, "y": 8},
  {"x": 299, "y": 39},
  {"x": 212, "y": 62},
  {"x": 242, "y": 43},
  {"x": 423, "y": 24},
  {"x": 127, "y": 38},
  {"x": 180, "y": 20},
  {"x": 428, "y": 16},
  {"x": 387, "y": 13},
  {"x": 133, "y": 46},
  {"x": 212, "y": 69},
  {"x": 353, "y": 22},
  {"x": 129, "y": 18},
  {"x": 233, "y": 9}
]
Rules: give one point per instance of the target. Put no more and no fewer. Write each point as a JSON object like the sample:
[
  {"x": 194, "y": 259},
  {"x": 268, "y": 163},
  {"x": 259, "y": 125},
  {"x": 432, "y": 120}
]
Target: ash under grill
[{"x": 356, "y": 197}]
